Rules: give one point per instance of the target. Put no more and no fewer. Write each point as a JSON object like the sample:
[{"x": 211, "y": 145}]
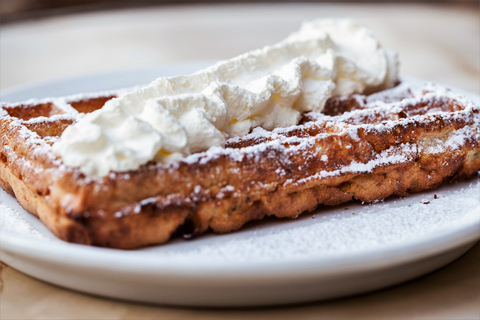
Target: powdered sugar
[
  {"x": 331, "y": 231},
  {"x": 56, "y": 117},
  {"x": 12, "y": 221},
  {"x": 63, "y": 102},
  {"x": 348, "y": 123},
  {"x": 16, "y": 220}
]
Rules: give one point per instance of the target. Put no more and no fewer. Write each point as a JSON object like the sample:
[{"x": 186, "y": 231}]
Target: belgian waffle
[{"x": 368, "y": 148}]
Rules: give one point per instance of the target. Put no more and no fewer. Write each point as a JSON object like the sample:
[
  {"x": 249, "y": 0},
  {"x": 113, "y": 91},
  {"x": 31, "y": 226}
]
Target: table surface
[{"x": 440, "y": 43}]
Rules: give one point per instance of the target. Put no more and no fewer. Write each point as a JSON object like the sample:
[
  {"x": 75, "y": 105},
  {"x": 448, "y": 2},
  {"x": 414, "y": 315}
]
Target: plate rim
[{"x": 431, "y": 244}]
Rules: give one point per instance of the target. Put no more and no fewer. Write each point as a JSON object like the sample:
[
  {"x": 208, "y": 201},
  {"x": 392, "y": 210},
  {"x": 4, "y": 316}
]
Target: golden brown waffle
[{"x": 367, "y": 148}]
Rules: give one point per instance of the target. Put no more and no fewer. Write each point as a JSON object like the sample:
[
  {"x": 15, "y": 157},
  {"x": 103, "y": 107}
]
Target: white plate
[{"x": 333, "y": 252}]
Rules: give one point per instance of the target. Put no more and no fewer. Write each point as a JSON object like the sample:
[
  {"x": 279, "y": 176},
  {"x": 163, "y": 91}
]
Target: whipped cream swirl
[{"x": 269, "y": 87}]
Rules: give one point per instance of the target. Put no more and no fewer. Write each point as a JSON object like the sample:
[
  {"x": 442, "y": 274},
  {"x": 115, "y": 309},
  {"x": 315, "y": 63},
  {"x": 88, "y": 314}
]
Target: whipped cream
[{"x": 269, "y": 87}]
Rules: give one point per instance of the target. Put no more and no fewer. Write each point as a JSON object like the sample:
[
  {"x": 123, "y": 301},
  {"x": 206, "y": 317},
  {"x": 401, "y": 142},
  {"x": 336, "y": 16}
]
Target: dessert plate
[{"x": 331, "y": 252}]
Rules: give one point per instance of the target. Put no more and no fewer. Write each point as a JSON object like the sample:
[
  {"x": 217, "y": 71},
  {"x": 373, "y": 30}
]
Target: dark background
[{"x": 14, "y": 10}]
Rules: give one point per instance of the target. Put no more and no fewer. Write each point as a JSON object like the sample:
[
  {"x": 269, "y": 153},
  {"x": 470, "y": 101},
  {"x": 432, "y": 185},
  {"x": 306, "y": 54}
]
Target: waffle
[{"x": 368, "y": 148}]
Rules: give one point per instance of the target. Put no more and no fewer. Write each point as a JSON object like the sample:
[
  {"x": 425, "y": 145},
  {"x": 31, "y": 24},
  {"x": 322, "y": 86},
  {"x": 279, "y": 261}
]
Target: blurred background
[
  {"x": 12, "y": 10},
  {"x": 41, "y": 40}
]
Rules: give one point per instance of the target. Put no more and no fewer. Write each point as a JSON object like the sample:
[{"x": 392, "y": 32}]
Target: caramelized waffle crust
[{"x": 363, "y": 147}]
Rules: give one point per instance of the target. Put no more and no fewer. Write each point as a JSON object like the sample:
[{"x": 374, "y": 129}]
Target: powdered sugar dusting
[
  {"x": 336, "y": 231},
  {"x": 349, "y": 123},
  {"x": 56, "y": 117},
  {"x": 62, "y": 102},
  {"x": 11, "y": 220},
  {"x": 327, "y": 232},
  {"x": 402, "y": 153},
  {"x": 17, "y": 221}
]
